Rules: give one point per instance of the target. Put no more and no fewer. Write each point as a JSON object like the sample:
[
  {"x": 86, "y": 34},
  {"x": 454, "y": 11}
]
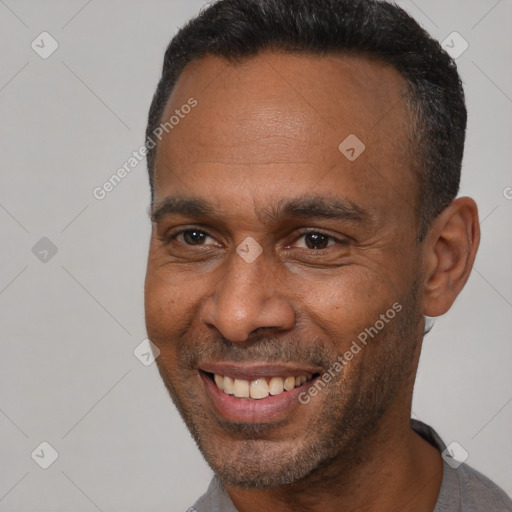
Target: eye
[
  {"x": 191, "y": 237},
  {"x": 315, "y": 241}
]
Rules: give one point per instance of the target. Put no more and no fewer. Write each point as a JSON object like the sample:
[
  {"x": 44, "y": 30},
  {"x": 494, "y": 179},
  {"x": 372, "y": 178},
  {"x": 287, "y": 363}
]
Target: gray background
[{"x": 69, "y": 325}]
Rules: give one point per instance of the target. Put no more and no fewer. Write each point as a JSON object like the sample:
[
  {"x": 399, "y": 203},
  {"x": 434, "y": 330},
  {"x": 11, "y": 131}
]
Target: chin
[{"x": 258, "y": 464}]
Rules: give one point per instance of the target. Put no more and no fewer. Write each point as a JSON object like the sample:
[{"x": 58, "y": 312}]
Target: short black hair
[{"x": 239, "y": 29}]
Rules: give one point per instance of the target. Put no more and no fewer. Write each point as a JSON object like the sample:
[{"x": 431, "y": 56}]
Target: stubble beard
[{"x": 244, "y": 457}]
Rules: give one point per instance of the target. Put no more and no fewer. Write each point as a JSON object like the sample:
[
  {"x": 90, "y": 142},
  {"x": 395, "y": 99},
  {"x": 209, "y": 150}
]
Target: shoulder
[
  {"x": 463, "y": 488},
  {"x": 479, "y": 491},
  {"x": 215, "y": 499},
  {"x": 468, "y": 490}
]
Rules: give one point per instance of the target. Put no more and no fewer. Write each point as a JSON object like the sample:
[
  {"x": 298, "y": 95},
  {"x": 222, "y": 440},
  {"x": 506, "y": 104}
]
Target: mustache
[{"x": 260, "y": 349}]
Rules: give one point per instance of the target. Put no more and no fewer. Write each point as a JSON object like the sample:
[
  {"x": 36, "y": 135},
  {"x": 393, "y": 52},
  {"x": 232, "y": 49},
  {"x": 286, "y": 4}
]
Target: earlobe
[{"x": 450, "y": 250}]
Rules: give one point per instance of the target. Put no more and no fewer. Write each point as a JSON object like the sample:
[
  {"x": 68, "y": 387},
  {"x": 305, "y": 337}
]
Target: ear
[{"x": 449, "y": 253}]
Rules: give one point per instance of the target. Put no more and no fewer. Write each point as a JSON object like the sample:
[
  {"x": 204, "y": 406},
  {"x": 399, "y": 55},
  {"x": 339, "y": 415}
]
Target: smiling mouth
[{"x": 261, "y": 387}]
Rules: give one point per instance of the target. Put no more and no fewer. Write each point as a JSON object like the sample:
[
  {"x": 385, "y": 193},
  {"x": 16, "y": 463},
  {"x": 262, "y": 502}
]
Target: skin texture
[{"x": 266, "y": 131}]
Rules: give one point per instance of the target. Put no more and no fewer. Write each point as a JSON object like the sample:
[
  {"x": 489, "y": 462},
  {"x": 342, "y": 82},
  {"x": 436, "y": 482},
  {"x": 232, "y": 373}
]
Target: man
[{"x": 304, "y": 160}]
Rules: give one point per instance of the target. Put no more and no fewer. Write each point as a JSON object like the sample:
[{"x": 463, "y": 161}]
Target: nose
[{"x": 246, "y": 297}]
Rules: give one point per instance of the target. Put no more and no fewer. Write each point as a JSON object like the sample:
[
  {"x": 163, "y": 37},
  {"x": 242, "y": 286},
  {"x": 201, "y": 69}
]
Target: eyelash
[{"x": 169, "y": 239}]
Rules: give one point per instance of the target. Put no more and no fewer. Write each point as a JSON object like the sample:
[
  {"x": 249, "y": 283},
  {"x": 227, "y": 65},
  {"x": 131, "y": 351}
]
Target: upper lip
[{"x": 253, "y": 371}]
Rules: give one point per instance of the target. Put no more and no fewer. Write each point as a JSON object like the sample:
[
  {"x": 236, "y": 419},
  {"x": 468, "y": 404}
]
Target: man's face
[{"x": 273, "y": 250}]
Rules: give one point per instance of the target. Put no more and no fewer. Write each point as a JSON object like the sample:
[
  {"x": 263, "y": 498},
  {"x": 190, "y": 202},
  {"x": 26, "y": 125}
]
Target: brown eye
[
  {"x": 316, "y": 240},
  {"x": 192, "y": 237}
]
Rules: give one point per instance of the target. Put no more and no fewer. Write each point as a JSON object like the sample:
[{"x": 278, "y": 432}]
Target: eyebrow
[
  {"x": 316, "y": 207},
  {"x": 184, "y": 206},
  {"x": 310, "y": 207}
]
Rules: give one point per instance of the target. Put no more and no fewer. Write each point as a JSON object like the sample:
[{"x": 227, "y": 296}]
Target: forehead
[{"x": 278, "y": 117}]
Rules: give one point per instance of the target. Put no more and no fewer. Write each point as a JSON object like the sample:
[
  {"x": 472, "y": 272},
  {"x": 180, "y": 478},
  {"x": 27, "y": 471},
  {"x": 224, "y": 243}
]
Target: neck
[{"x": 395, "y": 469}]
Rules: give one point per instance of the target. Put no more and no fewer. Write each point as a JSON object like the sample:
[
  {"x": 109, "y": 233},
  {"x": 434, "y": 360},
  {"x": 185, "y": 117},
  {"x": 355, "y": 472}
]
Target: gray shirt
[{"x": 463, "y": 489}]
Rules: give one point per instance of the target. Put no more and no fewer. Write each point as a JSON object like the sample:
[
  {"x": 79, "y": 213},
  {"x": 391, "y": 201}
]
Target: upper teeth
[{"x": 258, "y": 388}]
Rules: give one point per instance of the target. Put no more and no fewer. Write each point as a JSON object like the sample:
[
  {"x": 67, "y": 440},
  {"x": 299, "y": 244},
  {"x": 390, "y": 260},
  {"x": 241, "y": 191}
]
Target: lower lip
[{"x": 240, "y": 410}]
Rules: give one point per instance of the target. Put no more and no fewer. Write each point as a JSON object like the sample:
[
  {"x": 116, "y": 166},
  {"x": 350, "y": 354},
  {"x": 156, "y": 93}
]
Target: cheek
[
  {"x": 351, "y": 299},
  {"x": 172, "y": 301},
  {"x": 162, "y": 307}
]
